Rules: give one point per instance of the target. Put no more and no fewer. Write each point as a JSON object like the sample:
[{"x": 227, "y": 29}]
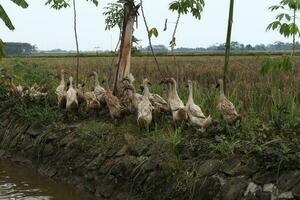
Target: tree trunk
[
  {"x": 228, "y": 44},
  {"x": 77, "y": 46},
  {"x": 123, "y": 69}
]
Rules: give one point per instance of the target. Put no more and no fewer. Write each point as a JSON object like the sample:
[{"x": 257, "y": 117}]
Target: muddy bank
[{"x": 113, "y": 163}]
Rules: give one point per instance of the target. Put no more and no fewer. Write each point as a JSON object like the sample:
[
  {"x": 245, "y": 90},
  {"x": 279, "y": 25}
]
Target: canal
[{"x": 22, "y": 183}]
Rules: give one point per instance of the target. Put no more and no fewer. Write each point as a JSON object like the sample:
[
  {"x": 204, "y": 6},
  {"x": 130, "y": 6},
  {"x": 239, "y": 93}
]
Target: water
[{"x": 21, "y": 183}]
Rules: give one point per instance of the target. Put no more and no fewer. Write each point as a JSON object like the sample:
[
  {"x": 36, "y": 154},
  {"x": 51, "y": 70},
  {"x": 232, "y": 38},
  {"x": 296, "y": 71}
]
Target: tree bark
[
  {"x": 76, "y": 39},
  {"x": 123, "y": 69},
  {"x": 228, "y": 44}
]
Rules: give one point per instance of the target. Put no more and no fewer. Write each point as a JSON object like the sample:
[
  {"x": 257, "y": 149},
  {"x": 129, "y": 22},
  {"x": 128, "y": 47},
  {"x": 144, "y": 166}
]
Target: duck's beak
[
  {"x": 142, "y": 88},
  {"x": 161, "y": 82}
]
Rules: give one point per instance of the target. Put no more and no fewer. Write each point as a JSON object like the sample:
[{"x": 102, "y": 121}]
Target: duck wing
[
  {"x": 176, "y": 105},
  {"x": 196, "y": 111},
  {"x": 227, "y": 108}
]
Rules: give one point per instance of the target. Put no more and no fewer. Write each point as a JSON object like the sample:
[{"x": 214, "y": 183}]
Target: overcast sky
[{"x": 49, "y": 29}]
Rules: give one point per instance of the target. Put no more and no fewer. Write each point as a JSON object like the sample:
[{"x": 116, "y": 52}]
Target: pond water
[{"x": 21, "y": 183}]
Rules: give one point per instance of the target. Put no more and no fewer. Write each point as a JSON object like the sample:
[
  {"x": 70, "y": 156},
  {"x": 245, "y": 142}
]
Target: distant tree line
[
  {"x": 18, "y": 48},
  {"x": 235, "y": 46}
]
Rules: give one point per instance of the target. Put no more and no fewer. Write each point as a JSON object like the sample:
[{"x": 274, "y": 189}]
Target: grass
[{"x": 271, "y": 118}]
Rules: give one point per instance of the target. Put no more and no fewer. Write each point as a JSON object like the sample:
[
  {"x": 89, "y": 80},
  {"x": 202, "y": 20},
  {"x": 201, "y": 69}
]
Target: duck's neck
[
  {"x": 96, "y": 80},
  {"x": 173, "y": 90},
  {"x": 191, "y": 100},
  {"x": 146, "y": 91},
  {"x": 71, "y": 83},
  {"x": 222, "y": 90},
  {"x": 62, "y": 81}
]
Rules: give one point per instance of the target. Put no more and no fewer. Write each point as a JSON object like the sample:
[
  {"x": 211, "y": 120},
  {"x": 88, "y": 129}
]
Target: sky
[{"x": 51, "y": 29}]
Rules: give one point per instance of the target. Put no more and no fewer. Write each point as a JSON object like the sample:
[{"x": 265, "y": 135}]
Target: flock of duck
[
  {"x": 34, "y": 91},
  {"x": 147, "y": 106}
]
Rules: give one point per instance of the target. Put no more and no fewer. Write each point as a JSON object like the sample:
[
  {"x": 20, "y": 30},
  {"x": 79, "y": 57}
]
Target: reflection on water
[{"x": 21, "y": 183}]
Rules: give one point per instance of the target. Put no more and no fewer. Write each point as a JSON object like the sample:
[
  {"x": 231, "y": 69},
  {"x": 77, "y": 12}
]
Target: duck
[
  {"x": 98, "y": 90},
  {"x": 72, "y": 101},
  {"x": 20, "y": 89},
  {"x": 37, "y": 91},
  {"x": 92, "y": 103},
  {"x": 195, "y": 114},
  {"x": 80, "y": 94},
  {"x": 112, "y": 102},
  {"x": 226, "y": 107},
  {"x": 145, "y": 107},
  {"x": 60, "y": 91},
  {"x": 12, "y": 88},
  {"x": 159, "y": 105},
  {"x": 130, "y": 97},
  {"x": 176, "y": 105}
]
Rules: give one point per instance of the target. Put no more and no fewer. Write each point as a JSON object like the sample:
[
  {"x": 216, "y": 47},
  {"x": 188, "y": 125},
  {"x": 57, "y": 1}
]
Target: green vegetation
[
  {"x": 5, "y": 18},
  {"x": 285, "y": 22}
]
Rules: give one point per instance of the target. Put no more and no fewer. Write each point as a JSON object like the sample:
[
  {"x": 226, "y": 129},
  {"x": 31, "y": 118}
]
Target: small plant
[
  {"x": 173, "y": 139},
  {"x": 281, "y": 104},
  {"x": 225, "y": 146}
]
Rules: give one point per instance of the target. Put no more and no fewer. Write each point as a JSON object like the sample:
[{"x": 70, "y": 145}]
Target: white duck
[
  {"x": 175, "y": 103},
  {"x": 196, "y": 116},
  {"x": 98, "y": 90},
  {"x": 226, "y": 107},
  {"x": 145, "y": 108},
  {"x": 61, "y": 91},
  {"x": 72, "y": 101}
]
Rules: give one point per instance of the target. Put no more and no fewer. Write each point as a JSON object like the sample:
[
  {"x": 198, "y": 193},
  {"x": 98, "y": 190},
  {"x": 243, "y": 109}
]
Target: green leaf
[
  {"x": 274, "y": 25},
  {"x": 272, "y": 8},
  {"x": 294, "y": 30},
  {"x": 1, "y": 49},
  {"x": 96, "y": 2},
  {"x": 153, "y": 32},
  {"x": 195, "y": 7},
  {"x": 21, "y": 3},
  {"x": 114, "y": 15},
  {"x": 57, "y": 4},
  {"x": 6, "y": 19}
]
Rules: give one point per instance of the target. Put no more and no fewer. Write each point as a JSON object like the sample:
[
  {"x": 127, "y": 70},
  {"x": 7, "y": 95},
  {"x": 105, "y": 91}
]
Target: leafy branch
[
  {"x": 285, "y": 23},
  {"x": 114, "y": 15},
  {"x": 59, "y": 4},
  {"x": 151, "y": 32}
]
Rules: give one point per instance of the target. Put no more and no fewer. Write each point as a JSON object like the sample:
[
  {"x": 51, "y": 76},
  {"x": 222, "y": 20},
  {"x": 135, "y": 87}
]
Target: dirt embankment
[{"x": 116, "y": 165}]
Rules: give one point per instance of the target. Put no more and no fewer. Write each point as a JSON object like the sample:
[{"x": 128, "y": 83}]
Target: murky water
[{"x": 21, "y": 183}]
